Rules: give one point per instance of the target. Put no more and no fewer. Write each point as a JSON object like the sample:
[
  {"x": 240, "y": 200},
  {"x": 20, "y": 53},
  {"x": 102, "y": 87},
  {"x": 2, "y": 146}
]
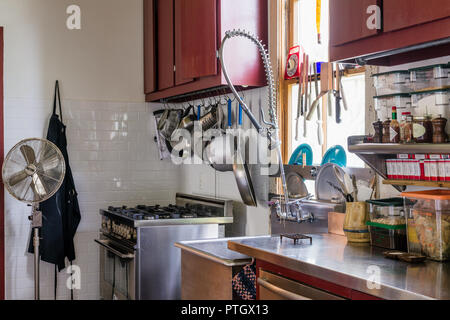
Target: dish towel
[{"x": 244, "y": 283}]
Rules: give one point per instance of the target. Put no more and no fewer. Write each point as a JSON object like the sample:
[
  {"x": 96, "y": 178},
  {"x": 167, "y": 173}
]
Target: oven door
[{"x": 117, "y": 275}]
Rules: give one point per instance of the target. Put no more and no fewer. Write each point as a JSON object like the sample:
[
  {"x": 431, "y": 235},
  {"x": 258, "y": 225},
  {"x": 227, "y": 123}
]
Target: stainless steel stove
[{"x": 138, "y": 258}]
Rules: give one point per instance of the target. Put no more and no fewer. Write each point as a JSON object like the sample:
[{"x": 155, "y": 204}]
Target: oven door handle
[{"x": 121, "y": 255}]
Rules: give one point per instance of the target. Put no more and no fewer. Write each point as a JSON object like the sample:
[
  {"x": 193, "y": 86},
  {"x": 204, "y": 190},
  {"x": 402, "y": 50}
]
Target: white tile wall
[{"x": 114, "y": 161}]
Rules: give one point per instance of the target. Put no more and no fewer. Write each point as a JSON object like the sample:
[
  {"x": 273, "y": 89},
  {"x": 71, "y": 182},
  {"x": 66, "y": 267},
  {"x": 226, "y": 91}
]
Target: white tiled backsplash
[{"x": 114, "y": 161}]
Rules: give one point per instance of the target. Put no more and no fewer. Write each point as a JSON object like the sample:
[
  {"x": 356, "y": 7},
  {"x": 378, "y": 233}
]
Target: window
[{"x": 303, "y": 31}]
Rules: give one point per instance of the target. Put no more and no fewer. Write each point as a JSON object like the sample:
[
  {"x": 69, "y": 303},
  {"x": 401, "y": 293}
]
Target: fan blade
[
  {"x": 17, "y": 178},
  {"x": 50, "y": 163},
  {"x": 28, "y": 154},
  {"x": 38, "y": 186}
]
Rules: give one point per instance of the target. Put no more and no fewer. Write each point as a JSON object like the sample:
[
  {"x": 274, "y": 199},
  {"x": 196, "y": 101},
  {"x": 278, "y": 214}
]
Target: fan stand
[{"x": 36, "y": 224}]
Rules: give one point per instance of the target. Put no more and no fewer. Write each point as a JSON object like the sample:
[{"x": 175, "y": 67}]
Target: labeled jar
[
  {"x": 406, "y": 130},
  {"x": 423, "y": 130}
]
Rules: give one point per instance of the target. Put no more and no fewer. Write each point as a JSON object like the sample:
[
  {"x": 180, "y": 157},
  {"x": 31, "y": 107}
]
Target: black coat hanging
[{"x": 61, "y": 213}]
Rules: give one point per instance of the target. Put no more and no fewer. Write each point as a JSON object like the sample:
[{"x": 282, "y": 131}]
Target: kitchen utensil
[
  {"x": 331, "y": 91},
  {"x": 297, "y": 155},
  {"x": 341, "y": 91},
  {"x": 364, "y": 193},
  {"x": 244, "y": 180},
  {"x": 403, "y": 256},
  {"x": 307, "y": 97},
  {"x": 230, "y": 115},
  {"x": 33, "y": 171},
  {"x": 319, "y": 111},
  {"x": 372, "y": 186},
  {"x": 187, "y": 121},
  {"x": 296, "y": 186},
  {"x": 158, "y": 135},
  {"x": 343, "y": 183},
  {"x": 337, "y": 95},
  {"x": 171, "y": 123},
  {"x": 336, "y": 155},
  {"x": 338, "y": 189},
  {"x": 324, "y": 87},
  {"x": 355, "y": 187},
  {"x": 300, "y": 102},
  {"x": 323, "y": 189},
  {"x": 163, "y": 119},
  {"x": 318, "y": 19},
  {"x": 219, "y": 153}
]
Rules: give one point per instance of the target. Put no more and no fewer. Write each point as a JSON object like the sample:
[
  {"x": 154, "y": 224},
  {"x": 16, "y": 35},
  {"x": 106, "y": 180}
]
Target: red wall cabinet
[
  {"x": 187, "y": 37},
  {"x": 405, "y": 23}
]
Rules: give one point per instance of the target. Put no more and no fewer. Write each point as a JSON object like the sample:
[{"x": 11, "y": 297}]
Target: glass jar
[
  {"x": 423, "y": 130},
  {"x": 406, "y": 130}
]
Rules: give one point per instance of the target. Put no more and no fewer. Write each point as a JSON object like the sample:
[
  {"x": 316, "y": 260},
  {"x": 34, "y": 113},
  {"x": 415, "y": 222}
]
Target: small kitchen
[{"x": 237, "y": 151}]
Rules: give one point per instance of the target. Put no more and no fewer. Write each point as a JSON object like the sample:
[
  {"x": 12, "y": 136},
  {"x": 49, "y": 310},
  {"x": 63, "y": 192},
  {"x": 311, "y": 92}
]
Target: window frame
[{"x": 283, "y": 26}]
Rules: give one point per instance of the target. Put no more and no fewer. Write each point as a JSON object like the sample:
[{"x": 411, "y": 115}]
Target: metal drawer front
[{"x": 275, "y": 287}]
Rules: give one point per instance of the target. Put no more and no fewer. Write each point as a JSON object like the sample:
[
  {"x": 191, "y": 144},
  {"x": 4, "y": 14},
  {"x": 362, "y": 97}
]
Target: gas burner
[
  {"x": 295, "y": 237},
  {"x": 143, "y": 212}
]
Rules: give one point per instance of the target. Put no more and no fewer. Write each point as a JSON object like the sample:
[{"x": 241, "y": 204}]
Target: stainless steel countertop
[
  {"x": 331, "y": 258},
  {"x": 217, "y": 250}
]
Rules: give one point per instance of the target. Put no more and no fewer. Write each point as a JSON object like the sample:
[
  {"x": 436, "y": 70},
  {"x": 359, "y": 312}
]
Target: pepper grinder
[
  {"x": 378, "y": 126},
  {"x": 439, "y": 134},
  {"x": 386, "y": 131}
]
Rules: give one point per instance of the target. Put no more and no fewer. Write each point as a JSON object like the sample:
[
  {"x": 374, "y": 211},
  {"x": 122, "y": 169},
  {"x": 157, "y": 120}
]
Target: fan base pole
[{"x": 36, "y": 263}]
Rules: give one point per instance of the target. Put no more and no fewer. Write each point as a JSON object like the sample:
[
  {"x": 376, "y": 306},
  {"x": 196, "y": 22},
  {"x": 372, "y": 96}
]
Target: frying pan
[{"x": 244, "y": 181}]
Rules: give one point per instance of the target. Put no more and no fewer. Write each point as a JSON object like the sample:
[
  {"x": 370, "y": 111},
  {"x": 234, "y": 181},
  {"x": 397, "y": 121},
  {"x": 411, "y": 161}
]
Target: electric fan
[{"x": 33, "y": 171}]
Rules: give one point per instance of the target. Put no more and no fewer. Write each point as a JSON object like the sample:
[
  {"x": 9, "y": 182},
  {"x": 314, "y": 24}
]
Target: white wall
[{"x": 110, "y": 135}]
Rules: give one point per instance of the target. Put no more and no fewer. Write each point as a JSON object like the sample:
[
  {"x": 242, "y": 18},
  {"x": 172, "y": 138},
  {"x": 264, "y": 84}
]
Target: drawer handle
[{"x": 281, "y": 292}]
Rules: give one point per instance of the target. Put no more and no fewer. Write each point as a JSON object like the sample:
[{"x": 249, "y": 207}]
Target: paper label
[
  {"x": 418, "y": 130},
  {"x": 392, "y": 134}
]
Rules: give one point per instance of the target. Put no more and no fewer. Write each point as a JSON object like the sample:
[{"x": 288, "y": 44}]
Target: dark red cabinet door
[
  {"x": 165, "y": 23},
  {"x": 348, "y": 20},
  {"x": 149, "y": 47},
  {"x": 195, "y": 39},
  {"x": 399, "y": 14}
]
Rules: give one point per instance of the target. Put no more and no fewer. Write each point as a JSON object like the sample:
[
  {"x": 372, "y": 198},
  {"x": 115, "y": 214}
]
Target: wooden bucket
[{"x": 355, "y": 227}]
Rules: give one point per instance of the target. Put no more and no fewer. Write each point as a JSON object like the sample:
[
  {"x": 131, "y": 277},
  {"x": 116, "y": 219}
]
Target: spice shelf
[
  {"x": 434, "y": 184},
  {"x": 376, "y": 154}
]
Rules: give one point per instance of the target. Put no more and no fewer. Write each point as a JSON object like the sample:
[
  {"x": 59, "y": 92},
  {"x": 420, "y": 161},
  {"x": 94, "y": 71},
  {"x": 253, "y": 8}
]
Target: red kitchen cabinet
[
  {"x": 149, "y": 47},
  {"x": 196, "y": 39},
  {"x": 421, "y": 26},
  {"x": 349, "y": 20},
  {"x": 188, "y": 36},
  {"x": 399, "y": 14},
  {"x": 312, "y": 282},
  {"x": 165, "y": 43}
]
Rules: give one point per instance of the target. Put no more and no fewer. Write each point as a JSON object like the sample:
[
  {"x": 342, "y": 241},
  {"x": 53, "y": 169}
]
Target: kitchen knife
[
  {"x": 337, "y": 95},
  {"x": 331, "y": 92},
  {"x": 342, "y": 93},
  {"x": 319, "y": 111},
  {"x": 307, "y": 96}
]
